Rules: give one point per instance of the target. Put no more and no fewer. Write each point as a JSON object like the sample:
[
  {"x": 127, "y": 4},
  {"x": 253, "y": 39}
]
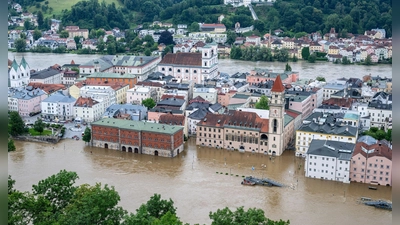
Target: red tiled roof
[
  {"x": 197, "y": 99},
  {"x": 149, "y": 83},
  {"x": 87, "y": 102},
  {"x": 182, "y": 58},
  {"x": 380, "y": 150},
  {"x": 292, "y": 113},
  {"x": 48, "y": 88},
  {"x": 342, "y": 102},
  {"x": 172, "y": 119},
  {"x": 278, "y": 86},
  {"x": 172, "y": 96}
]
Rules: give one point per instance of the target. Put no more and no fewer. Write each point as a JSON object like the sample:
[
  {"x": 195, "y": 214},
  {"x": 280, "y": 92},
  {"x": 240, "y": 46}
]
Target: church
[
  {"x": 246, "y": 131},
  {"x": 18, "y": 75}
]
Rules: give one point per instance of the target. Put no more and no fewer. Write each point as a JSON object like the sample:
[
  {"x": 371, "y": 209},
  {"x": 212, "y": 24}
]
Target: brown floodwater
[{"x": 193, "y": 180}]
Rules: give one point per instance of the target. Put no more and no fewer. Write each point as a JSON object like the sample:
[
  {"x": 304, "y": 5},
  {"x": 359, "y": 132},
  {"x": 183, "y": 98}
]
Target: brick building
[{"x": 138, "y": 137}]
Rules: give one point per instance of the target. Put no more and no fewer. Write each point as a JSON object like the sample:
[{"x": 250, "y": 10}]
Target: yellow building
[{"x": 333, "y": 50}]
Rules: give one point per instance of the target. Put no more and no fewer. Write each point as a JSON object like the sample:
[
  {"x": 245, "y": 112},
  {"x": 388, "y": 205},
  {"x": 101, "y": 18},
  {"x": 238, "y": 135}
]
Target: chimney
[{"x": 141, "y": 60}]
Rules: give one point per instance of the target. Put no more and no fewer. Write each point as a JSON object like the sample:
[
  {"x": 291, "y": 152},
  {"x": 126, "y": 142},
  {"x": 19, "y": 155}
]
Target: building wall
[
  {"x": 74, "y": 91},
  {"x": 129, "y": 81},
  {"x": 209, "y": 96},
  {"x": 144, "y": 142},
  {"x": 136, "y": 96},
  {"x": 304, "y": 138},
  {"x": 89, "y": 114},
  {"x": 327, "y": 168},
  {"x": 56, "y": 79},
  {"x": 30, "y": 105},
  {"x": 378, "y": 117},
  {"x": 364, "y": 170}
]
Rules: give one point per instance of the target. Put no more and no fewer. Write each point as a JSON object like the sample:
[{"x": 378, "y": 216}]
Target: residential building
[
  {"x": 380, "y": 114},
  {"x": 254, "y": 39},
  {"x": 103, "y": 94},
  {"x": 372, "y": 164},
  {"x": 203, "y": 36},
  {"x": 213, "y": 27},
  {"x": 140, "y": 66},
  {"x": 175, "y": 120},
  {"x": 49, "y": 89},
  {"x": 88, "y": 109},
  {"x": 137, "y": 94},
  {"x": 329, "y": 160},
  {"x": 323, "y": 126},
  {"x": 138, "y": 137},
  {"x": 58, "y": 107},
  {"x": 74, "y": 31},
  {"x": 331, "y": 88},
  {"x": 263, "y": 75},
  {"x": 126, "y": 111},
  {"x": 50, "y": 75},
  {"x": 69, "y": 77},
  {"x": 208, "y": 93},
  {"x": 102, "y": 78},
  {"x": 25, "y": 100}
]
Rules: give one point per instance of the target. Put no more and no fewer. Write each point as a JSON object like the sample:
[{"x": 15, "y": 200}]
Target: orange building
[{"x": 100, "y": 78}]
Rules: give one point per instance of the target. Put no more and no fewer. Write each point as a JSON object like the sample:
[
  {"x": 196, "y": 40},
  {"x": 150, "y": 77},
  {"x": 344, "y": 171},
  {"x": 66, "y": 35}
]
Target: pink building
[
  {"x": 372, "y": 164},
  {"x": 25, "y": 101},
  {"x": 301, "y": 103},
  {"x": 262, "y": 75}
]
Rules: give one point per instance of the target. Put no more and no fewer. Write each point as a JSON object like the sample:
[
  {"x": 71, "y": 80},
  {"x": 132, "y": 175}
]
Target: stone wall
[{"x": 43, "y": 139}]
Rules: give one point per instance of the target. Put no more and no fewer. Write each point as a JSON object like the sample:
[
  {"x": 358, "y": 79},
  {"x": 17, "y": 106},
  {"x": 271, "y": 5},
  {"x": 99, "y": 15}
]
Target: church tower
[
  {"x": 276, "y": 118},
  {"x": 25, "y": 72},
  {"x": 14, "y": 75}
]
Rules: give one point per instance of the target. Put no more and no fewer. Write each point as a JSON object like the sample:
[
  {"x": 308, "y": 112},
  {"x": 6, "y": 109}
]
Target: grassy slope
[{"x": 59, "y": 5}]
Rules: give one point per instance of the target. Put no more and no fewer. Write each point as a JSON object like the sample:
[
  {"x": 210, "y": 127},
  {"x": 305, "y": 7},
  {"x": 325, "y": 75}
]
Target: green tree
[
  {"x": 17, "y": 126},
  {"x": 20, "y": 45},
  {"x": 194, "y": 27},
  {"x": 11, "y": 145},
  {"x": 40, "y": 20},
  {"x": 38, "y": 126},
  {"x": 389, "y": 135},
  {"x": 111, "y": 48},
  {"x": 158, "y": 207},
  {"x": 230, "y": 37},
  {"x": 147, "y": 52},
  {"x": 64, "y": 34},
  {"x": 380, "y": 134},
  {"x": 27, "y": 25},
  {"x": 252, "y": 216},
  {"x": 149, "y": 103},
  {"x": 305, "y": 53},
  {"x": 166, "y": 50},
  {"x": 288, "y": 67},
  {"x": 368, "y": 60},
  {"x": 101, "y": 45},
  {"x": 37, "y": 34},
  {"x": 93, "y": 205},
  {"x": 87, "y": 135},
  {"x": 312, "y": 58},
  {"x": 320, "y": 78},
  {"x": 262, "y": 103},
  {"x": 166, "y": 38}
]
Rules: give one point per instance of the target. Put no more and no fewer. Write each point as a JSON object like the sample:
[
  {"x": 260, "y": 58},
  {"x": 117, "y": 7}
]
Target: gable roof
[
  {"x": 182, "y": 58},
  {"x": 278, "y": 86}
]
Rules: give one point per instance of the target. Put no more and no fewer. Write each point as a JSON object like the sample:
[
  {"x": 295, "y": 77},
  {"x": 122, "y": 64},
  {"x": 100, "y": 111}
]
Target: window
[
  {"x": 179, "y": 70},
  {"x": 163, "y": 69},
  {"x": 194, "y": 71}
]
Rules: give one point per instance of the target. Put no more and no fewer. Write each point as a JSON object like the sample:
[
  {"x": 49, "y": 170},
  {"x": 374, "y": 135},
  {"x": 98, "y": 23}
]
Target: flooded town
[{"x": 220, "y": 106}]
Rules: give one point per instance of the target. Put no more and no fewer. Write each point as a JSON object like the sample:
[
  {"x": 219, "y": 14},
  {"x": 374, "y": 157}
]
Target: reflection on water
[{"x": 192, "y": 181}]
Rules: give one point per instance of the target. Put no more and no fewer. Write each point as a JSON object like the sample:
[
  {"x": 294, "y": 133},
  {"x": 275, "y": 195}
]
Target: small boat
[
  {"x": 247, "y": 182},
  {"x": 366, "y": 199},
  {"x": 372, "y": 188}
]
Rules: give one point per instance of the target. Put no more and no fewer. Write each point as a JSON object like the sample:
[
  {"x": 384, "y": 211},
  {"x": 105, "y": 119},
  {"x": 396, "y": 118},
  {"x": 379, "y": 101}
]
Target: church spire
[{"x": 278, "y": 86}]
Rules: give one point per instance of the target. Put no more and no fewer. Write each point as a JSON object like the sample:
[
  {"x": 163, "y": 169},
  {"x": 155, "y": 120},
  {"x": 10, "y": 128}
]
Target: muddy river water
[{"x": 193, "y": 180}]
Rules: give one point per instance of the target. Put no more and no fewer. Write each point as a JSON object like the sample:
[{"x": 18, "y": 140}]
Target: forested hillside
[{"x": 292, "y": 16}]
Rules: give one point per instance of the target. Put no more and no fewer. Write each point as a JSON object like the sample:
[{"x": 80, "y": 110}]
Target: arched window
[
  {"x": 179, "y": 70},
  {"x": 163, "y": 69},
  {"x": 170, "y": 69},
  {"x": 194, "y": 71},
  {"x": 275, "y": 125}
]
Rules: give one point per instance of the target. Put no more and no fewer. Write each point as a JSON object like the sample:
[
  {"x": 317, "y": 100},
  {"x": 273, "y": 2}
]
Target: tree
[
  {"x": 87, "y": 135},
  {"x": 368, "y": 60},
  {"x": 158, "y": 207},
  {"x": 230, "y": 37},
  {"x": 262, "y": 103},
  {"x": 64, "y": 34},
  {"x": 194, "y": 27},
  {"x": 17, "y": 126},
  {"x": 165, "y": 51},
  {"x": 149, "y": 103},
  {"x": 27, "y": 25},
  {"x": 320, "y": 78},
  {"x": 40, "y": 20},
  {"x": 252, "y": 216},
  {"x": 288, "y": 67},
  {"x": 93, "y": 205},
  {"x": 37, "y": 34},
  {"x": 101, "y": 45},
  {"x": 166, "y": 38},
  {"x": 389, "y": 135},
  {"x": 11, "y": 146},
  {"x": 20, "y": 45},
  {"x": 111, "y": 48},
  {"x": 312, "y": 58},
  {"x": 147, "y": 52},
  {"x": 305, "y": 53},
  {"x": 38, "y": 126}
]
